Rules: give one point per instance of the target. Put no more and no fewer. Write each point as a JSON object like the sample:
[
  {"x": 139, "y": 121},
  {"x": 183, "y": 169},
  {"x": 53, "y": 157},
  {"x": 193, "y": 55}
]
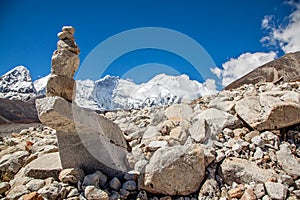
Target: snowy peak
[
  {"x": 40, "y": 85},
  {"x": 17, "y": 84},
  {"x": 112, "y": 93}
]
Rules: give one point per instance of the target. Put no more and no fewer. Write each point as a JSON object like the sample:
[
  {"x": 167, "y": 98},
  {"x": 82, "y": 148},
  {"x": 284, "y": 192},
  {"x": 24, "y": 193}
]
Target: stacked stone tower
[{"x": 65, "y": 62}]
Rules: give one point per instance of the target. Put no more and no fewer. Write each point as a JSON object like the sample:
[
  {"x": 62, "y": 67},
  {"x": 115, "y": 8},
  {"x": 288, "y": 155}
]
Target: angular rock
[
  {"x": 93, "y": 193},
  {"x": 86, "y": 140},
  {"x": 179, "y": 134},
  {"x": 243, "y": 171},
  {"x": 235, "y": 193},
  {"x": 50, "y": 192},
  {"x": 178, "y": 112},
  {"x": 68, "y": 45},
  {"x": 268, "y": 112},
  {"x": 48, "y": 165},
  {"x": 61, "y": 86},
  {"x": 169, "y": 166},
  {"x": 216, "y": 121},
  {"x": 96, "y": 179},
  {"x": 115, "y": 184},
  {"x": 248, "y": 195},
  {"x": 288, "y": 162},
  {"x": 16, "y": 192},
  {"x": 276, "y": 191},
  {"x": 64, "y": 63},
  {"x": 210, "y": 189},
  {"x": 71, "y": 175},
  {"x": 129, "y": 185},
  {"x": 13, "y": 162},
  {"x": 32, "y": 196},
  {"x": 35, "y": 184}
]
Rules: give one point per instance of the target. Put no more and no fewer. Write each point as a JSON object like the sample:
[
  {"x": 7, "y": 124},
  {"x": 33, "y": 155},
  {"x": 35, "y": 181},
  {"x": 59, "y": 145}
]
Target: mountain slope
[
  {"x": 286, "y": 68},
  {"x": 17, "y": 84}
]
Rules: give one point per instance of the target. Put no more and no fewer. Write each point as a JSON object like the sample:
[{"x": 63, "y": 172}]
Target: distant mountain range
[{"x": 109, "y": 93}]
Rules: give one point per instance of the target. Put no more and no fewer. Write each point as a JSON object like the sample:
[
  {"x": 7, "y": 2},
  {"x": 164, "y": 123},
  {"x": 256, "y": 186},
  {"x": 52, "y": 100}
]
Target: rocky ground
[{"x": 239, "y": 144}]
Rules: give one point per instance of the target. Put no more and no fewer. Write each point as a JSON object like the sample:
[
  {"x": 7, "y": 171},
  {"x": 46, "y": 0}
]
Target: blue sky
[{"x": 226, "y": 29}]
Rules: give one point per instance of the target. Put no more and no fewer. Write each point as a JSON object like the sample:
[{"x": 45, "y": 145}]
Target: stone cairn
[{"x": 65, "y": 62}]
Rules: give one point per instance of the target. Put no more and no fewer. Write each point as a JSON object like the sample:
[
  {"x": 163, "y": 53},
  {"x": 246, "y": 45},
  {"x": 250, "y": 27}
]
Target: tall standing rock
[
  {"x": 65, "y": 62},
  {"x": 86, "y": 140}
]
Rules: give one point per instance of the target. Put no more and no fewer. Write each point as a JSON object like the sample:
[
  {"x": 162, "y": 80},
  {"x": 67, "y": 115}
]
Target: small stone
[
  {"x": 115, "y": 184},
  {"x": 250, "y": 135},
  {"x": 32, "y": 196},
  {"x": 236, "y": 147},
  {"x": 266, "y": 197},
  {"x": 142, "y": 195},
  {"x": 179, "y": 134},
  {"x": 249, "y": 195},
  {"x": 69, "y": 29},
  {"x": 93, "y": 193},
  {"x": 235, "y": 193},
  {"x": 49, "y": 191},
  {"x": 259, "y": 190},
  {"x": 4, "y": 187},
  {"x": 258, "y": 141},
  {"x": 74, "y": 192},
  {"x": 95, "y": 179},
  {"x": 210, "y": 189},
  {"x": 71, "y": 175},
  {"x": 297, "y": 193},
  {"x": 124, "y": 193},
  {"x": 276, "y": 190},
  {"x": 35, "y": 184},
  {"x": 114, "y": 196},
  {"x": 65, "y": 35},
  {"x": 286, "y": 179},
  {"x": 129, "y": 185},
  {"x": 258, "y": 154},
  {"x": 131, "y": 175}
]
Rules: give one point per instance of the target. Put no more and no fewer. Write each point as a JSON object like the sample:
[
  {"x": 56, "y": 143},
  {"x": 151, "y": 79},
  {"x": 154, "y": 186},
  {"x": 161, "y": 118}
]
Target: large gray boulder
[
  {"x": 207, "y": 124},
  {"x": 175, "y": 170},
  {"x": 86, "y": 139},
  {"x": 243, "y": 171},
  {"x": 269, "y": 111}
]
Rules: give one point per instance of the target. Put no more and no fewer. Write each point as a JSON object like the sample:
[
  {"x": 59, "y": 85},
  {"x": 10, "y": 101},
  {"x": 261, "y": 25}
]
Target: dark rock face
[
  {"x": 286, "y": 68},
  {"x": 17, "y": 111}
]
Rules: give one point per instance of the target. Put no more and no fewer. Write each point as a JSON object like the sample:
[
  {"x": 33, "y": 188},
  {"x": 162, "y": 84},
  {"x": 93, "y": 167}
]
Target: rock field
[{"x": 237, "y": 144}]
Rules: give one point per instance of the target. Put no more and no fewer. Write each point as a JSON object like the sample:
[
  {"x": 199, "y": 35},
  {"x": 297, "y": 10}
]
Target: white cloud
[
  {"x": 238, "y": 67},
  {"x": 286, "y": 37}
]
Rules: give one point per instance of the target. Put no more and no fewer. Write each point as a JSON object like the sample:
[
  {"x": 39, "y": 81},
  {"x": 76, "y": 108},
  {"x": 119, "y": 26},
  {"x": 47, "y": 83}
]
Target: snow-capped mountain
[
  {"x": 40, "y": 85},
  {"x": 111, "y": 93},
  {"x": 17, "y": 84}
]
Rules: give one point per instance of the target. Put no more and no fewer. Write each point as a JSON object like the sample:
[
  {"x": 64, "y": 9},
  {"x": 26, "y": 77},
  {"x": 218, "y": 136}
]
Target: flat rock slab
[
  {"x": 243, "y": 171},
  {"x": 86, "y": 139},
  {"x": 48, "y": 165},
  {"x": 268, "y": 111}
]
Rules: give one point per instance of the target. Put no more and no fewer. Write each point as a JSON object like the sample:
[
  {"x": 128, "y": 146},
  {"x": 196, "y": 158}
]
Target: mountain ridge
[{"x": 110, "y": 92}]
